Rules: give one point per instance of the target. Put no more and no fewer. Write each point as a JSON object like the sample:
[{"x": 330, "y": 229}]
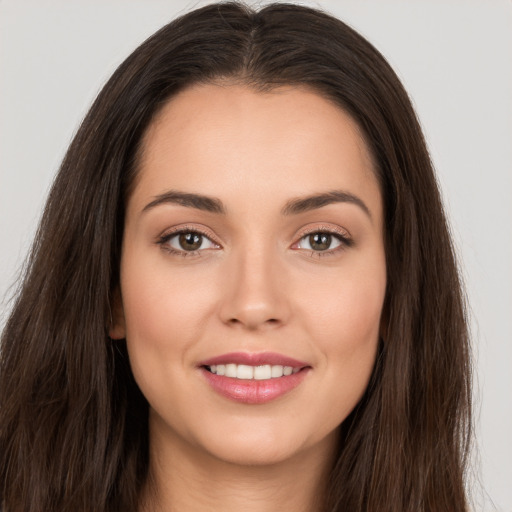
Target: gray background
[{"x": 454, "y": 58}]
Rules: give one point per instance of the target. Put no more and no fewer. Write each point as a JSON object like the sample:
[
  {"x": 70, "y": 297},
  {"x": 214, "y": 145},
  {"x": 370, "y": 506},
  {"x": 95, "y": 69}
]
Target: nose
[{"x": 255, "y": 296}]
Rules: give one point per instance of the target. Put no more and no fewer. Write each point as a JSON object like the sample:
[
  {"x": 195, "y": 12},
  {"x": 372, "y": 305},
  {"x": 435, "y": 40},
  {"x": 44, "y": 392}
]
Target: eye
[
  {"x": 186, "y": 241},
  {"x": 319, "y": 241},
  {"x": 324, "y": 241}
]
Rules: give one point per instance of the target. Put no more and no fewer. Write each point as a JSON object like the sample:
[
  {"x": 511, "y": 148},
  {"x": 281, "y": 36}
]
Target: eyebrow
[
  {"x": 292, "y": 207},
  {"x": 305, "y": 204},
  {"x": 198, "y": 201}
]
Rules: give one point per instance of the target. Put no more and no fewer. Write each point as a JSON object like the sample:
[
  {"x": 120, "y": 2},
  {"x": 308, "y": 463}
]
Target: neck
[{"x": 185, "y": 479}]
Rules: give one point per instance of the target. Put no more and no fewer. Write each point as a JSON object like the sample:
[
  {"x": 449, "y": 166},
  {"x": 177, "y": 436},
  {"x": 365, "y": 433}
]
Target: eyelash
[
  {"x": 341, "y": 236},
  {"x": 164, "y": 239}
]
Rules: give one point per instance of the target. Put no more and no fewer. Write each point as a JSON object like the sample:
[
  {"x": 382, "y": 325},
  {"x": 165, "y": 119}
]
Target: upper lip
[{"x": 254, "y": 359}]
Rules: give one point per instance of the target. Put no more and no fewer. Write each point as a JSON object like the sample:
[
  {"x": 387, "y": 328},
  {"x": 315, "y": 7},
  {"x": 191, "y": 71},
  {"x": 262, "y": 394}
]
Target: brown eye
[
  {"x": 184, "y": 242},
  {"x": 320, "y": 241},
  {"x": 190, "y": 241}
]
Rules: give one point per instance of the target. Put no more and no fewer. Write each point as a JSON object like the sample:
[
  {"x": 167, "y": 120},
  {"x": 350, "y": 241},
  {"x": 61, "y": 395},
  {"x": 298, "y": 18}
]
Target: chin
[
  {"x": 265, "y": 446},
  {"x": 253, "y": 454}
]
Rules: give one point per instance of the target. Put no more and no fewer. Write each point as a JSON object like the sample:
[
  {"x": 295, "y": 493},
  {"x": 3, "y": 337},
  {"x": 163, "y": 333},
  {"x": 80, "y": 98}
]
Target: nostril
[{"x": 253, "y": 323}]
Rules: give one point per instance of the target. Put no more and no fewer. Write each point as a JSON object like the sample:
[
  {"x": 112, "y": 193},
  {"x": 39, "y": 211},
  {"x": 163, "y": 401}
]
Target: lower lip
[{"x": 254, "y": 391}]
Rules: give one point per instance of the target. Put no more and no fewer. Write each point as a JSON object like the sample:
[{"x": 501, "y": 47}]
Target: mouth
[{"x": 253, "y": 378}]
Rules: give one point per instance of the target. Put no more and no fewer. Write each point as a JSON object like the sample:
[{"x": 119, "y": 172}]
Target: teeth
[
  {"x": 276, "y": 371},
  {"x": 246, "y": 372},
  {"x": 230, "y": 370},
  {"x": 262, "y": 372}
]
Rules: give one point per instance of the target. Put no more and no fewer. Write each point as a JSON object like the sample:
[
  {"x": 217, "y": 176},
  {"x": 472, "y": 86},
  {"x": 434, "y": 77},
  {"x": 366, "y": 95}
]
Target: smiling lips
[{"x": 253, "y": 378}]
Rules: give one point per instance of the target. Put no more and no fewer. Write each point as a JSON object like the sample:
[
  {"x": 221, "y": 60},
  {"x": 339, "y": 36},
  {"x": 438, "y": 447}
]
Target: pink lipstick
[{"x": 253, "y": 378}]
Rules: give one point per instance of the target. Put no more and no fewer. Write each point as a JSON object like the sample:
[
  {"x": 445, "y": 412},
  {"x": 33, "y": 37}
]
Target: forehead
[{"x": 225, "y": 139}]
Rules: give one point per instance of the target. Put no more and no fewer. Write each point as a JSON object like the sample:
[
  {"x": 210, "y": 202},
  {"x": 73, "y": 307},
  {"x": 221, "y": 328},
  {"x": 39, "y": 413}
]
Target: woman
[{"x": 243, "y": 292}]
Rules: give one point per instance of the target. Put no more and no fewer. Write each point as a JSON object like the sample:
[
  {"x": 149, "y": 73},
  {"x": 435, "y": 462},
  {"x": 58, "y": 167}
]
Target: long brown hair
[{"x": 73, "y": 423}]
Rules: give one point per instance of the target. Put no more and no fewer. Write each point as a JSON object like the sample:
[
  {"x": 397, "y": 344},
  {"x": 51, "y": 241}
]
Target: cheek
[
  {"x": 346, "y": 313},
  {"x": 162, "y": 311},
  {"x": 345, "y": 324},
  {"x": 161, "y": 304}
]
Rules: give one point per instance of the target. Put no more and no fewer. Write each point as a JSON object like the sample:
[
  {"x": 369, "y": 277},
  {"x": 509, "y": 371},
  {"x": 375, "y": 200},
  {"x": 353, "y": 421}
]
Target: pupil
[
  {"x": 190, "y": 241},
  {"x": 320, "y": 241}
]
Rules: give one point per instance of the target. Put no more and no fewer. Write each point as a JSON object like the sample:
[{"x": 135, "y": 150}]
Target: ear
[{"x": 117, "y": 327}]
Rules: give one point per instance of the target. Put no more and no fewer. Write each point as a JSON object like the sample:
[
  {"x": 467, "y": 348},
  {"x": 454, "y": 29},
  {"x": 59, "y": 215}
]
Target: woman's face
[{"x": 253, "y": 247}]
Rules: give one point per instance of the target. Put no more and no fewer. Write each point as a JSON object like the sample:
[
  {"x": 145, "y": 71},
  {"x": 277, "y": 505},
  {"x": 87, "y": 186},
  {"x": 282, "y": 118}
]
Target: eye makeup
[
  {"x": 190, "y": 236},
  {"x": 191, "y": 241}
]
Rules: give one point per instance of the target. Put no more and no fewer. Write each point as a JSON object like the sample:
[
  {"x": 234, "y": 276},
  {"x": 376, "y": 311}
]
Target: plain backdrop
[{"x": 455, "y": 59}]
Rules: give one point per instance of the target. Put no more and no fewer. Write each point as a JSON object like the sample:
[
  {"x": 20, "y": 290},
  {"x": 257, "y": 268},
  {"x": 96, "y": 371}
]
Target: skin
[{"x": 257, "y": 286}]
